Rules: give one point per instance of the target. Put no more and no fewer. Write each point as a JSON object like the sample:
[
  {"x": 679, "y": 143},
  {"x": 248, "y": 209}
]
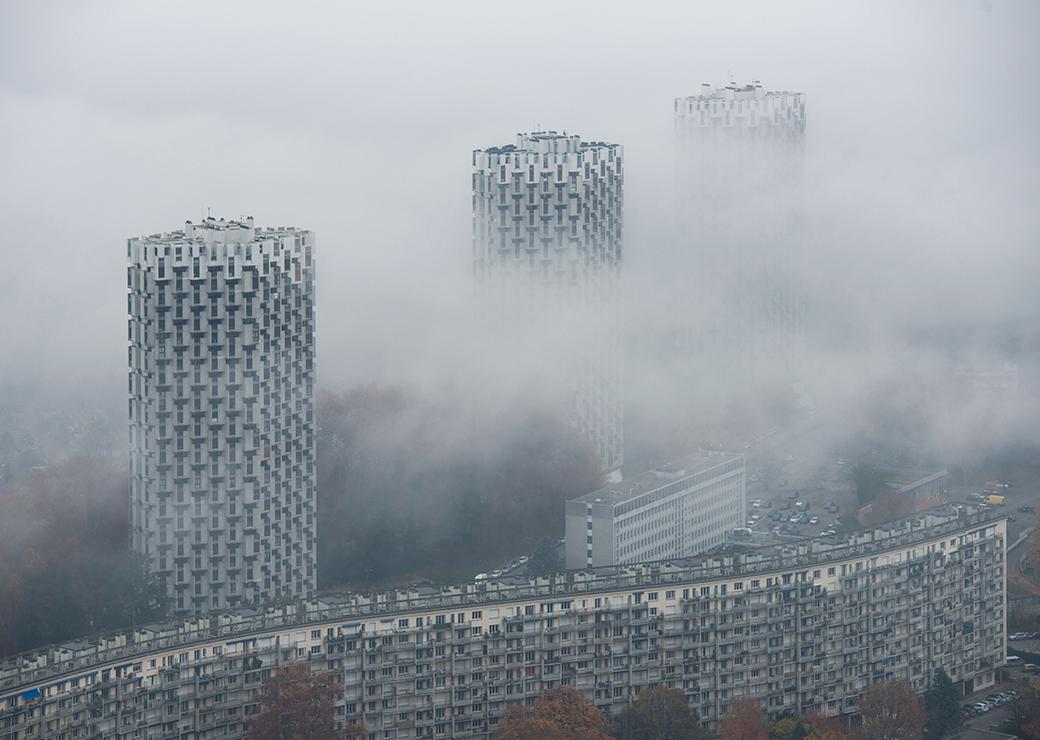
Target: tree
[
  {"x": 659, "y": 714},
  {"x": 559, "y": 714},
  {"x": 65, "y": 568},
  {"x": 891, "y": 711},
  {"x": 868, "y": 480},
  {"x": 296, "y": 704},
  {"x": 546, "y": 558},
  {"x": 354, "y": 732},
  {"x": 942, "y": 706},
  {"x": 1025, "y": 711},
  {"x": 822, "y": 727},
  {"x": 744, "y": 720},
  {"x": 787, "y": 728}
]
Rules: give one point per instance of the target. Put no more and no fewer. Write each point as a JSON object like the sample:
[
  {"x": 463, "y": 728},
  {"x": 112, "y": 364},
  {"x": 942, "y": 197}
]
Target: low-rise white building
[{"x": 672, "y": 511}]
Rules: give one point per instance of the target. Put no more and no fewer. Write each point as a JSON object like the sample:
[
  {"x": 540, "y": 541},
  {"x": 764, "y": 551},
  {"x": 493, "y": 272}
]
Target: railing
[{"x": 20, "y": 671}]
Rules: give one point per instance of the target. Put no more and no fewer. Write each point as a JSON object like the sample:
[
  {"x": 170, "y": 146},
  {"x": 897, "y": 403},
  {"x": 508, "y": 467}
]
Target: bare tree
[
  {"x": 296, "y": 704},
  {"x": 891, "y": 711}
]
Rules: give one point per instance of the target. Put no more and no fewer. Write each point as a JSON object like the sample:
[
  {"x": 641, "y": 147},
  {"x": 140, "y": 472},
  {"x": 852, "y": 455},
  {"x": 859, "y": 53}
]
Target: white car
[
  {"x": 480, "y": 577},
  {"x": 756, "y": 503},
  {"x": 1018, "y": 636},
  {"x": 814, "y": 519},
  {"x": 828, "y": 532}
]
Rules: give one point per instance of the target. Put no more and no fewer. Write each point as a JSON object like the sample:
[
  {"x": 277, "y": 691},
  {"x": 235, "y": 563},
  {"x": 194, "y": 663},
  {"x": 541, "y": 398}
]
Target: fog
[{"x": 917, "y": 254}]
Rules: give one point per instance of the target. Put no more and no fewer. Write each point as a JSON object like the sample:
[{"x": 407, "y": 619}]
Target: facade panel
[
  {"x": 221, "y": 405},
  {"x": 547, "y": 249},
  {"x": 803, "y": 628}
]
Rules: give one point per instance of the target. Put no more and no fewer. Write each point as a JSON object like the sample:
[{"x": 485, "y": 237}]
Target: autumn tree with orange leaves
[
  {"x": 744, "y": 720},
  {"x": 559, "y": 714},
  {"x": 296, "y": 704}
]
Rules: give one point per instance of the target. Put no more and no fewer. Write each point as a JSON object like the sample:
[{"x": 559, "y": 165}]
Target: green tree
[
  {"x": 546, "y": 558},
  {"x": 941, "y": 706},
  {"x": 787, "y": 728},
  {"x": 659, "y": 714},
  {"x": 868, "y": 480}
]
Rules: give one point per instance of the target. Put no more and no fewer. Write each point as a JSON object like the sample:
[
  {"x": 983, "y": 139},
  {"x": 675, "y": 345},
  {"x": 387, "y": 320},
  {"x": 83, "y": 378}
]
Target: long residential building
[
  {"x": 221, "y": 412},
  {"x": 673, "y": 511},
  {"x": 801, "y": 628},
  {"x": 547, "y": 251}
]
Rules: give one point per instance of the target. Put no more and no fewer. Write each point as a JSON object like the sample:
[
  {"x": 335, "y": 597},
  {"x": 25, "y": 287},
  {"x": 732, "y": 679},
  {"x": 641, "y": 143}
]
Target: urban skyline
[{"x": 704, "y": 392}]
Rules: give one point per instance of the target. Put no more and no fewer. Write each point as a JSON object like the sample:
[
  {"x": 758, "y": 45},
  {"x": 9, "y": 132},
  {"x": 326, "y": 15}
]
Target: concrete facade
[
  {"x": 674, "y": 511},
  {"x": 221, "y": 411},
  {"x": 801, "y": 628},
  {"x": 739, "y": 161},
  {"x": 547, "y": 250}
]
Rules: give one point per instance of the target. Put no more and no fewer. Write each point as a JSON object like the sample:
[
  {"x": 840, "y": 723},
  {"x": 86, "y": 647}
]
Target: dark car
[{"x": 1027, "y": 509}]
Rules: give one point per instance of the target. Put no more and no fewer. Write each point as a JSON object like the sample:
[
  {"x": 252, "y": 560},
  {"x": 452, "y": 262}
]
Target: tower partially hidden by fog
[
  {"x": 547, "y": 248},
  {"x": 739, "y": 165},
  {"x": 221, "y": 408}
]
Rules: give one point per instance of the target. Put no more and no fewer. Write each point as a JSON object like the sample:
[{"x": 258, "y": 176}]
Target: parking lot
[{"x": 795, "y": 486}]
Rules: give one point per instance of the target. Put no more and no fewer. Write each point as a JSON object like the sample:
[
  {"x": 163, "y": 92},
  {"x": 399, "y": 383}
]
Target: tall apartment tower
[
  {"x": 547, "y": 248},
  {"x": 221, "y": 406},
  {"x": 739, "y": 169}
]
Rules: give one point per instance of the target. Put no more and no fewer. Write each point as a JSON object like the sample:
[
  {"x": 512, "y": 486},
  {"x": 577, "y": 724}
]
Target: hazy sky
[{"x": 357, "y": 120}]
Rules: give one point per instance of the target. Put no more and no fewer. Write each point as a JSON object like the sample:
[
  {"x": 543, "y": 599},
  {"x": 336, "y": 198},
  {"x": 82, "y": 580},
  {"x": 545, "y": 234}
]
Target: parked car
[
  {"x": 814, "y": 519},
  {"x": 1027, "y": 509},
  {"x": 980, "y": 707},
  {"x": 1014, "y": 660},
  {"x": 1019, "y": 636},
  {"x": 1031, "y": 668},
  {"x": 827, "y": 532},
  {"x": 756, "y": 503}
]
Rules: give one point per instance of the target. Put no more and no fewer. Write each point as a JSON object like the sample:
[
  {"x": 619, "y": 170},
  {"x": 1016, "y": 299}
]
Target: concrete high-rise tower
[
  {"x": 547, "y": 248},
  {"x": 221, "y": 409},
  {"x": 739, "y": 166}
]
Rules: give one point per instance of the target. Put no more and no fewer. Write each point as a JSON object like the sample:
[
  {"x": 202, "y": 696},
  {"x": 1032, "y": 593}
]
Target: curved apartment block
[{"x": 806, "y": 627}]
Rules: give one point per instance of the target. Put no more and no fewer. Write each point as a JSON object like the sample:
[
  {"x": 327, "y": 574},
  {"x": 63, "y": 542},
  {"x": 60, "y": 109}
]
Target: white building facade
[
  {"x": 221, "y": 412},
  {"x": 547, "y": 250},
  {"x": 739, "y": 160},
  {"x": 674, "y": 511},
  {"x": 799, "y": 628}
]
